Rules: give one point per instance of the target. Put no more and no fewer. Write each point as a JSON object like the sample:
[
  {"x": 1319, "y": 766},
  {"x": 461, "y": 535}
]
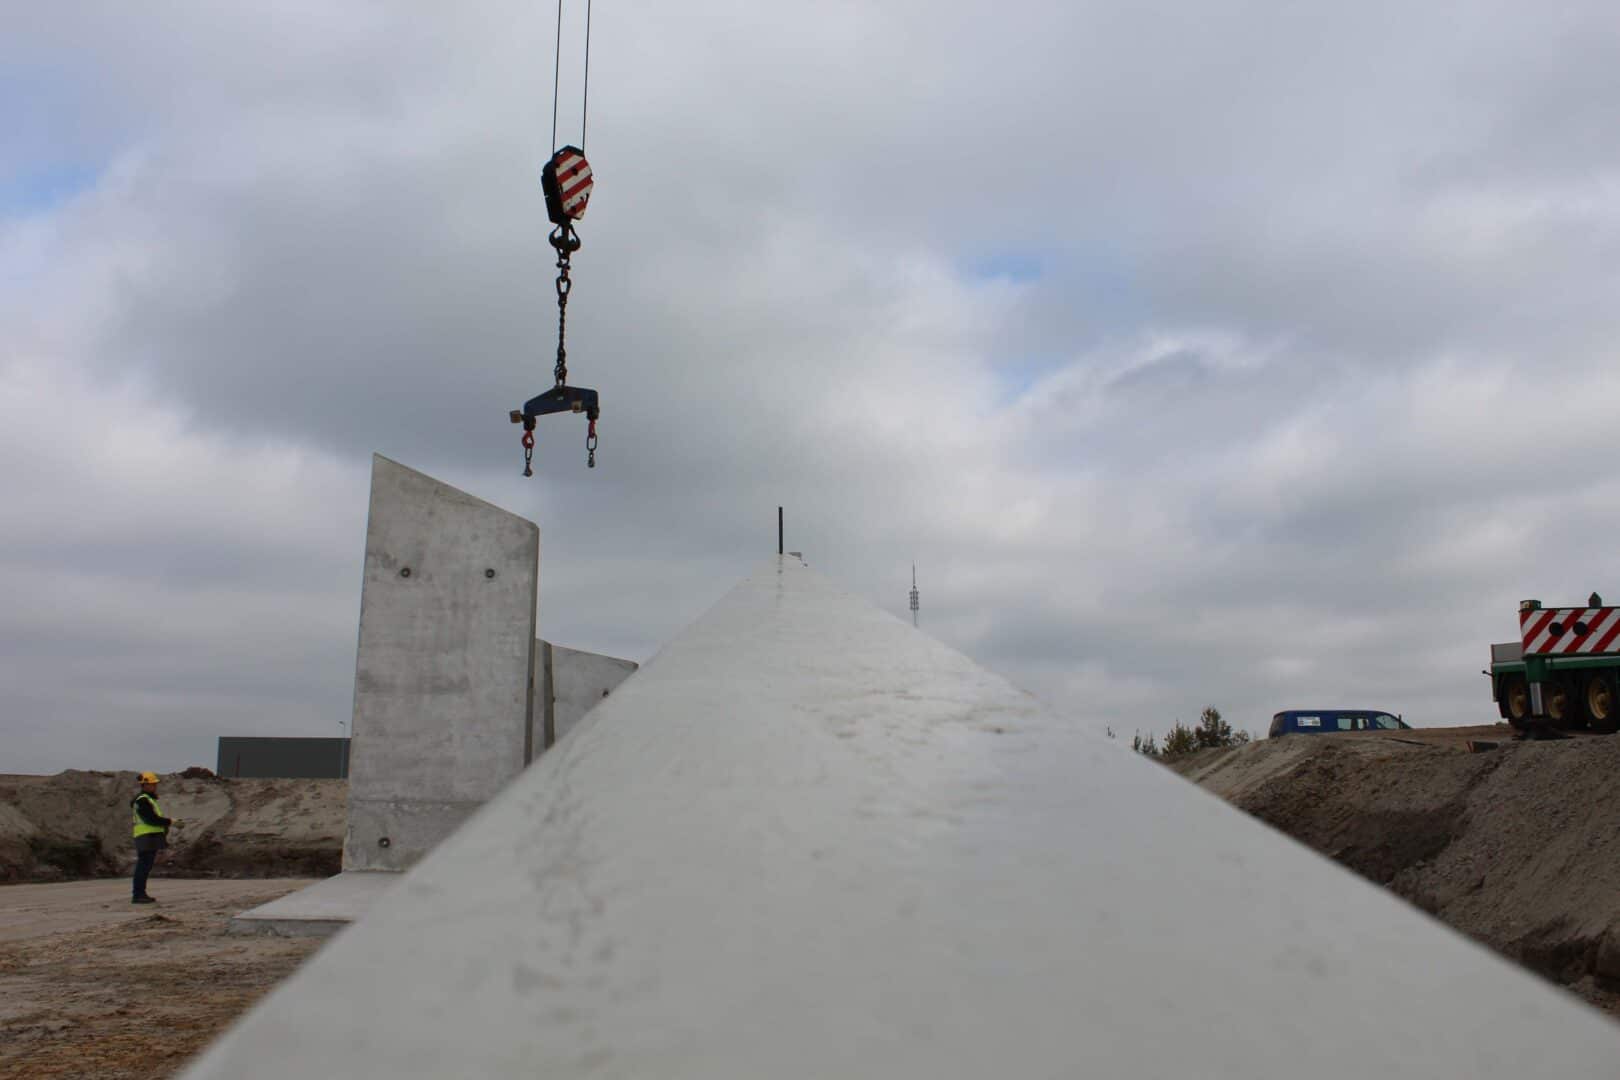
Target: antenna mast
[{"x": 914, "y": 604}]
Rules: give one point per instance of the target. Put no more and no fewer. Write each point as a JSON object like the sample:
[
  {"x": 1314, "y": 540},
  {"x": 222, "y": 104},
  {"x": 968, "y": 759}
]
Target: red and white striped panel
[
  {"x": 574, "y": 181},
  {"x": 1559, "y": 631}
]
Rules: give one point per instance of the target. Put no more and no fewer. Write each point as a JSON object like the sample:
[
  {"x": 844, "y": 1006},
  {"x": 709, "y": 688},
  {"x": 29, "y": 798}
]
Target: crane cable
[
  {"x": 556, "y": 79},
  {"x": 563, "y": 237}
]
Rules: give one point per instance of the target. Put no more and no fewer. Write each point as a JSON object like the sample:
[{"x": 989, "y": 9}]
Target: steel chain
[{"x": 566, "y": 243}]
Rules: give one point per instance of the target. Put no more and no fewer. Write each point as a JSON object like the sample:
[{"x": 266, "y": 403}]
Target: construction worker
[{"x": 151, "y": 834}]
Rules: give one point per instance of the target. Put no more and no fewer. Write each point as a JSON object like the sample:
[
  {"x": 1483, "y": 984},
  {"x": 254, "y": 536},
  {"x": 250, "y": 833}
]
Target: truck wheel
[
  {"x": 1564, "y": 707},
  {"x": 1602, "y": 703},
  {"x": 1516, "y": 701}
]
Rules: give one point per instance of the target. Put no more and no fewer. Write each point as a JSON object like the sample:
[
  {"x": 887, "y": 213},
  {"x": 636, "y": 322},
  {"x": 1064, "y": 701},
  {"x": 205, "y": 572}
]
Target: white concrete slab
[
  {"x": 444, "y": 672},
  {"x": 808, "y": 841},
  {"x": 318, "y": 910}
]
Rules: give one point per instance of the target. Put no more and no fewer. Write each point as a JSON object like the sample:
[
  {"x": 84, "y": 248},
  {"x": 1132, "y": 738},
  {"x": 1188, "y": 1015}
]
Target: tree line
[{"x": 1209, "y": 733}]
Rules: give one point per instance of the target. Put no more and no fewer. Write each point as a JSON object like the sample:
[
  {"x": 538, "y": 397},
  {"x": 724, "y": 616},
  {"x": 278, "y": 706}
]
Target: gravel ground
[{"x": 92, "y": 986}]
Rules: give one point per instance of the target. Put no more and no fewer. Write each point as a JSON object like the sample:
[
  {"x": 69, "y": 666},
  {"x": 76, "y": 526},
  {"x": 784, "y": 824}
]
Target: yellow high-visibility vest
[{"x": 141, "y": 827}]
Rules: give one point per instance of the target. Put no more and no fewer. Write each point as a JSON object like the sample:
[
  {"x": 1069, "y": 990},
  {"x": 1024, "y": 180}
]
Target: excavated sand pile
[
  {"x": 77, "y": 824},
  {"x": 1515, "y": 846}
]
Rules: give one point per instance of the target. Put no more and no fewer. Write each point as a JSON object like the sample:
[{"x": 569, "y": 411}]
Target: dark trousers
[{"x": 143, "y": 869}]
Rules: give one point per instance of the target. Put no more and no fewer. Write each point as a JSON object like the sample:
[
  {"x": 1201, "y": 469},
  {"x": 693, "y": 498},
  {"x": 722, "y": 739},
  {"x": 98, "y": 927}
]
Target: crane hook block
[{"x": 566, "y": 180}]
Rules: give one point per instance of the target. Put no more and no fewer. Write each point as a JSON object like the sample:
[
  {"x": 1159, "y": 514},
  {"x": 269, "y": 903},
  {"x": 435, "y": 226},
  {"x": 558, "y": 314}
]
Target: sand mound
[
  {"x": 77, "y": 824},
  {"x": 1515, "y": 846}
]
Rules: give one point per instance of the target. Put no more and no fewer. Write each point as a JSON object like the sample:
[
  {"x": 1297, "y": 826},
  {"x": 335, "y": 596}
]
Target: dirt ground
[
  {"x": 76, "y": 824},
  {"x": 1514, "y": 845},
  {"x": 93, "y": 987}
]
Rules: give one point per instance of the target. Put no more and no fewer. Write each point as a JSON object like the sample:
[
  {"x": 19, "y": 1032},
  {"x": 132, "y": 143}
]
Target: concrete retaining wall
[
  {"x": 444, "y": 669},
  {"x": 568, "y": 684}
]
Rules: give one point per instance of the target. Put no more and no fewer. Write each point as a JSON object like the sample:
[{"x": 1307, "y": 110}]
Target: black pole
[{"x": 779, "y": 530}]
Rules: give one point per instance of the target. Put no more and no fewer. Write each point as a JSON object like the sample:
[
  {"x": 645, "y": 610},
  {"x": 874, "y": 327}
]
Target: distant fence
[{"x": 251, "y": 756}]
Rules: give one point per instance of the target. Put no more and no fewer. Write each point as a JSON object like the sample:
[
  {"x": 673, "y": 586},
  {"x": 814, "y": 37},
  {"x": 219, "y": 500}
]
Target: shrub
[{"x": 1181, "y": 740}]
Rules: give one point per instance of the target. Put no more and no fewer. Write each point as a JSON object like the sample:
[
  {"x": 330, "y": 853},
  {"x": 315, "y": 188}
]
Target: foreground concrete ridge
[
  {"x": 807, "y": 840},
  {"x": 444, "y": 669}
]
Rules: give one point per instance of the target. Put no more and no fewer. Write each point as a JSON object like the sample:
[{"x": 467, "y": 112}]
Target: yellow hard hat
[{"x": 149, "y": 778}]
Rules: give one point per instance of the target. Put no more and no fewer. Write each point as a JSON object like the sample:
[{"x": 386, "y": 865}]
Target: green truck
[{"x": 1564, "y": 671}]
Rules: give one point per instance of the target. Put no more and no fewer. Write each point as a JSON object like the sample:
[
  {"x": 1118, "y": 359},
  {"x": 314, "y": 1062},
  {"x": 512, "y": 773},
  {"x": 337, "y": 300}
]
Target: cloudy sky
[{"x": 1253, "y": 353}]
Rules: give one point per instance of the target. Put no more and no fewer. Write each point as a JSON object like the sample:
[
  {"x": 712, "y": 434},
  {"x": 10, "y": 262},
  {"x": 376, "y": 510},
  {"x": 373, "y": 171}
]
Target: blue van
[{"x": 1322, "y": 721}]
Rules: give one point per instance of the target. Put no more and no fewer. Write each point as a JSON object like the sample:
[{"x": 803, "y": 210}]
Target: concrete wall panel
[
  {"x": 443, "y": 673},
  {"x": 568, "y": 684}
]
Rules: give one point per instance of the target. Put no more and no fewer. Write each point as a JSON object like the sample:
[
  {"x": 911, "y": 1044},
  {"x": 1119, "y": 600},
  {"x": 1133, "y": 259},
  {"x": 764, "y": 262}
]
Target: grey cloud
[
  {"x": 1304, "y": 396},
  {"x": 1178, "y": 371}
]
